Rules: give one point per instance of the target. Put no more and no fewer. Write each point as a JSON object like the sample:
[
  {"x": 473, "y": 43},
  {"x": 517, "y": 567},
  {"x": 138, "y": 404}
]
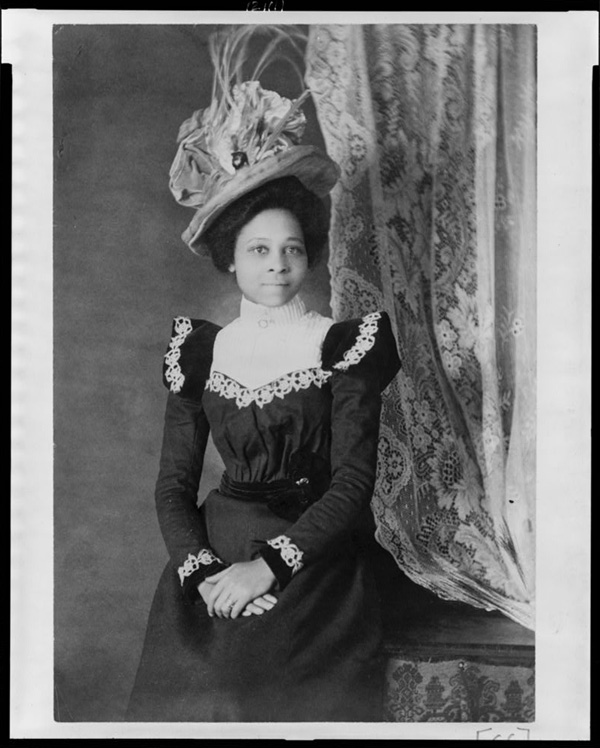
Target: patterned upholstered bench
[{"x": 450, "y": 662}]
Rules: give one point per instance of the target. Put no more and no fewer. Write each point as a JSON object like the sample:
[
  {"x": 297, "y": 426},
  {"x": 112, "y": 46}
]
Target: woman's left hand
[
  {"x": 259, "y": 606},
  {"x": 238, "y": 585}
]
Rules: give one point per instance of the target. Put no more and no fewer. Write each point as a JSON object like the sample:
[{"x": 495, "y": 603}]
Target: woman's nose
[{"x": 279, "y": 262}]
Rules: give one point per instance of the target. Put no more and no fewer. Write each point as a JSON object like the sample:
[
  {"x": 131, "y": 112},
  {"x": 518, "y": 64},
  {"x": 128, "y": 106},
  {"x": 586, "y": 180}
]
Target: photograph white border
[{"x": 567, "y": 50}]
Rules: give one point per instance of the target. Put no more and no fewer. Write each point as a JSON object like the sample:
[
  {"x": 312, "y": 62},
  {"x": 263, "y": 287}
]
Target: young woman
[{"x": 266, "y": 610}]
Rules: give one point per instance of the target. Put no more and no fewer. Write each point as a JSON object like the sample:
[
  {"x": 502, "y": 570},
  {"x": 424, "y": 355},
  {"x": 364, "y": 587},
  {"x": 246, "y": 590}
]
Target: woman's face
[{"x": 270, "y": 261}]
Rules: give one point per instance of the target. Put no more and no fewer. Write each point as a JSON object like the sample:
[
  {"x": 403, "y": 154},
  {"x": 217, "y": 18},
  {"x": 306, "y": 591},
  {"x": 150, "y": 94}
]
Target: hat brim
[{"x": 315, "y": 170}]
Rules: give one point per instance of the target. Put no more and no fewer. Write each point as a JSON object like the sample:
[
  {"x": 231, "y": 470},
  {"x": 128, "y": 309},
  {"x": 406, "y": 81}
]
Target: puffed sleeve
[
  {"x": 363, "y": 359},
  {"x": 185, "y": 435}
]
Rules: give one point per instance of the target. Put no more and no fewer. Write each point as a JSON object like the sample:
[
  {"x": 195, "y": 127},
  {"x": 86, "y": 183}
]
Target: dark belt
[{"x": 289, "y": 497}]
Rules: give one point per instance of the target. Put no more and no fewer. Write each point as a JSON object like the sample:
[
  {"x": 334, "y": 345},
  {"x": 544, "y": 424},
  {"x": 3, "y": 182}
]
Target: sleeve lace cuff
[
  {"x": 283, "y": 557},
  {"x": 195, "y": 569}
]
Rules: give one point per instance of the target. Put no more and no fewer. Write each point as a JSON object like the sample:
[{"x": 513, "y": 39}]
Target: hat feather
[
  {"x": 247, "y": 134},
  {"x": 229, "y": 54}
]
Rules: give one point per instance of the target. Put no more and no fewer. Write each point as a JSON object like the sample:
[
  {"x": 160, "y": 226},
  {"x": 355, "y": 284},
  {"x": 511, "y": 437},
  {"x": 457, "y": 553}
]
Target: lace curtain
[{"x": 433, "y": 220}]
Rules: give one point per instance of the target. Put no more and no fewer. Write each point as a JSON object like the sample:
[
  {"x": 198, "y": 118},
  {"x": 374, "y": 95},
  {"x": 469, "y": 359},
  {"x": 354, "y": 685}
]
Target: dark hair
[{"x": 285, "y": 193}]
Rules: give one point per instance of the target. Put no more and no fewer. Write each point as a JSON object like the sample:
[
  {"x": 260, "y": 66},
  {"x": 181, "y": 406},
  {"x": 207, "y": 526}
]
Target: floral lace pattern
[
  {"x": 229, "y": 388},
  {"x": 193, "y": 563},
  {"x": 226, "y": 387},
  {"x": 437, "y": 182},
  {"x": 364, "y": 342},
  {"x": 173, "y": 373},
  {"x": 289, "y": 552}
]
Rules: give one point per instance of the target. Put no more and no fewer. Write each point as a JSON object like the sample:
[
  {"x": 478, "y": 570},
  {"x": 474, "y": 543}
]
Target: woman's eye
[
  {"x": 295, "y": 250},
  {"x": 259, "y": 249}
]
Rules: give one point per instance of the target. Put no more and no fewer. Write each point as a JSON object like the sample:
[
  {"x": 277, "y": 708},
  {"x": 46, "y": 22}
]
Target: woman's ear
[{"x": 231, "y": 268}]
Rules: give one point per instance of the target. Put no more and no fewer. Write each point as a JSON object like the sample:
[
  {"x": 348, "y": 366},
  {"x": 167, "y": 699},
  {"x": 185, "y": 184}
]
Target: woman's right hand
[{"x": 255, "y": 608}]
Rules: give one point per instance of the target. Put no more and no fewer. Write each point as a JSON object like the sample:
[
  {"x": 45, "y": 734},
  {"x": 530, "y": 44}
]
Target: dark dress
[{"x": 312, "y": 437}]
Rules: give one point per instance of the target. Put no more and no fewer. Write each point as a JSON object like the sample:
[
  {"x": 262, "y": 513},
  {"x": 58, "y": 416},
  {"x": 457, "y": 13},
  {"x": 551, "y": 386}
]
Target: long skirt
[{"x": 313, "y": 658}]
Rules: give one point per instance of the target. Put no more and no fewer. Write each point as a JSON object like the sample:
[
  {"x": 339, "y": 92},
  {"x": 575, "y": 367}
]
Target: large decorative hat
[{"x": 246, "y": 137}]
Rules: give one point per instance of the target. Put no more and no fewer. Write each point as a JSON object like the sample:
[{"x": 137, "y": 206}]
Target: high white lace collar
[{"x": 272, "y": 316}]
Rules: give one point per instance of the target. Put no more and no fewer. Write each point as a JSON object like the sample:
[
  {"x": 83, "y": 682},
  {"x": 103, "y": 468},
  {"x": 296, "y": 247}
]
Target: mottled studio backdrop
[{"x": 121, "y": 272}]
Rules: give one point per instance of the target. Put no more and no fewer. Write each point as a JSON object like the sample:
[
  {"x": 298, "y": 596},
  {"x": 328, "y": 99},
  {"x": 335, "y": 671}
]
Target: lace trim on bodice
[
  {"x": 301, "y": 379},
  {"x": 290, "y": 554},
  {"x": 223, "y": 385},
  {"x": 173, "y": 374},
  {"x": 364, "y": 342}
]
